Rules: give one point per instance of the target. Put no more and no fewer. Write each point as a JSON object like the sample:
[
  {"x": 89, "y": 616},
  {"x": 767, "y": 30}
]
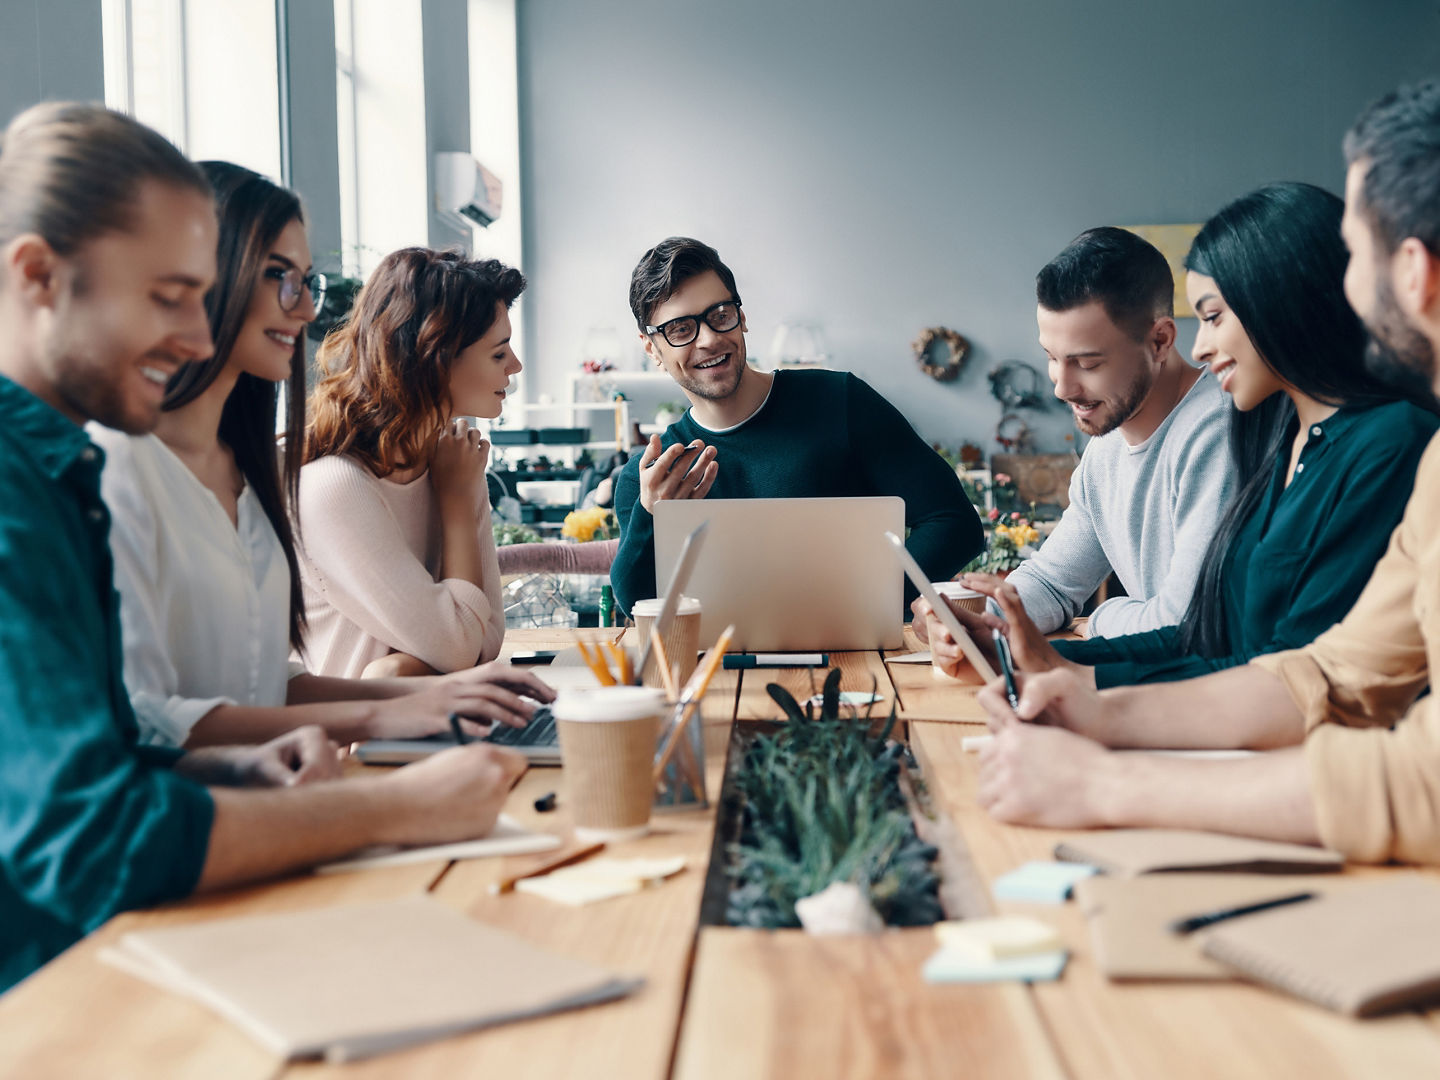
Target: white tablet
[{"x": 942, "y": 610}]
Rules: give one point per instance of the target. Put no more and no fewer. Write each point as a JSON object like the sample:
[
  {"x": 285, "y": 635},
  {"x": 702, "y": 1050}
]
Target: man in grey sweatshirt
[{"x": 1153, "y": 482}]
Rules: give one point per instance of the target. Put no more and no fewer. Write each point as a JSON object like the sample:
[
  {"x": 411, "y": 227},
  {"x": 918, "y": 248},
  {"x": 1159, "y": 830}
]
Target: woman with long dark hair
[
  {"x": 205, "y": 557},
  {"x": 1323, "y": 451},
  {"x": 399, "y": 563}
]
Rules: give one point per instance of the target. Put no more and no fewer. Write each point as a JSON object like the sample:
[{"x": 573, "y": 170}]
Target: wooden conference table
[{"x": 721, "y": 1002}]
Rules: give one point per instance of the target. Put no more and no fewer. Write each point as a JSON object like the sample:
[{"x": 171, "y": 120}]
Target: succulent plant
[{"x": 822, "y": 803}]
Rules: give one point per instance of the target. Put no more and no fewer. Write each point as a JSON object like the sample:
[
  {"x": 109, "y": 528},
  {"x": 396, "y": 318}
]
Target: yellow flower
[{"x": 582, "y": 525}]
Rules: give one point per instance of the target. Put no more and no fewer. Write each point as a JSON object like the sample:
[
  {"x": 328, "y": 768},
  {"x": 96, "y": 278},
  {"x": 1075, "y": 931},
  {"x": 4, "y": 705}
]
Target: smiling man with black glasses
[{"x": 766, "y": 434}]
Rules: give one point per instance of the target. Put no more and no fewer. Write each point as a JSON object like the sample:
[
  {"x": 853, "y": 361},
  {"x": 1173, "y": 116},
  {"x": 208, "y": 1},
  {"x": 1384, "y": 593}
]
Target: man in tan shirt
[{"x": 1352, "y": 753}]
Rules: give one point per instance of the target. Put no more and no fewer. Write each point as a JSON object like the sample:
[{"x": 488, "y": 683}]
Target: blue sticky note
[
  {"x": 1041, "y": 882},
  {"x": 955, "y": 965}
]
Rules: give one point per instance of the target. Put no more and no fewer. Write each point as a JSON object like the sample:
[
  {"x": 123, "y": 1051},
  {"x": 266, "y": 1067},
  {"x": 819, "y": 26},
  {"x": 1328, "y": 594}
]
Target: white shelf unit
[{"x": 567, "y": 414}]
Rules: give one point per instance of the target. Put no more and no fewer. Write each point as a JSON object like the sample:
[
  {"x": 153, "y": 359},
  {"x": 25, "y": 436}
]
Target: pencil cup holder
[{"x": 682, "y": 784}]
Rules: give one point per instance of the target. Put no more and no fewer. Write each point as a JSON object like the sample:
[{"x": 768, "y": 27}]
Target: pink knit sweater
[{"x": 369, "y": 559}]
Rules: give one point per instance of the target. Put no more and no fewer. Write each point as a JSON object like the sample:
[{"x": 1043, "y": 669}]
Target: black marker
[
  {"x": 1197, "y": 922},
  {"x": 732, "y": 661},
  {"x": 1007, "y": 668}
]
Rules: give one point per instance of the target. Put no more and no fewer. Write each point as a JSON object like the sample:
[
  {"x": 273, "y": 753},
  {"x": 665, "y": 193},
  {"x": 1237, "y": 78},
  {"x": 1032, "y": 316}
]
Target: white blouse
[{"x": 204, "y": 604}]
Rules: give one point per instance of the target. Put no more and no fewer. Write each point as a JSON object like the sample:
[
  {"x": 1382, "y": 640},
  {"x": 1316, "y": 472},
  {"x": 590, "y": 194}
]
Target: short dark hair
[
  {"x": 1126, "y": 274},
  {"x": 667, "y": 266},
  {"x": 1398, "y": 139},
  {"x": 71, "y": 171}
]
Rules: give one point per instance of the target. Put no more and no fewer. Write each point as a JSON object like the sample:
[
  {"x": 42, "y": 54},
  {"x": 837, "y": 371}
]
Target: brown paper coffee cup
[
  {"x": 682, "y": 642},
  {"x": 961, "y": 597},
  {"x": 607, "y": 749}
]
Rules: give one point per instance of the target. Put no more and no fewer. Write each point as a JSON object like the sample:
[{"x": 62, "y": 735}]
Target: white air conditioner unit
[{"x": 466, "y": 193}]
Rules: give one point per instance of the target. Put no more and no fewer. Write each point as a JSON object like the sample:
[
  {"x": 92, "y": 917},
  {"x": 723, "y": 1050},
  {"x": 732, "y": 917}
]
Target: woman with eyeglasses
[
  {"x": 205, "y": 555},
  {"x": 398, "y": 560}
]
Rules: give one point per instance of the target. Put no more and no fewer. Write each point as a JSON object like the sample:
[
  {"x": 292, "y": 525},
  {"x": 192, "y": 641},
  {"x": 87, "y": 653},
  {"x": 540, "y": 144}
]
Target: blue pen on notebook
[{"x": 1007, "y": 668}]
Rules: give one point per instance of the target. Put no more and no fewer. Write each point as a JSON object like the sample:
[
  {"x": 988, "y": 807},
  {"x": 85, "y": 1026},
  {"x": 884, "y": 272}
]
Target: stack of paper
[
  {"x": 349, "y": 982},
  {"x": 996, "y": 949},
  {"x": 508, "y": 837},
  {"x": 600, "y": 879}
]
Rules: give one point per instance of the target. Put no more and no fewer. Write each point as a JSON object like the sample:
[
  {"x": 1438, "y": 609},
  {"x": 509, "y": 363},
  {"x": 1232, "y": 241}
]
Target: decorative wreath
[
  {"x": 1014, "y": 435},
  {"x": 957, "y": 347},
  {"x": 1016, "y": 385}
]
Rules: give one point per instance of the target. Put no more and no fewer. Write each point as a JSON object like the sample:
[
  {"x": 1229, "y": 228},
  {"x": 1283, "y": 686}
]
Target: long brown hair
[
  {"x": 253, "y": 212},
  {"x": 385, "y": 372}
]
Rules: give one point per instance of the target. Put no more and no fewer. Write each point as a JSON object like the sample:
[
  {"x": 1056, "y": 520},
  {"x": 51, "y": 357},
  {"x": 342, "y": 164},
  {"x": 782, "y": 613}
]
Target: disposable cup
[
  {"x": 607, "y": 748},
  {"x": 682, "y": 641},
  {"x": 963, "y": 598}
]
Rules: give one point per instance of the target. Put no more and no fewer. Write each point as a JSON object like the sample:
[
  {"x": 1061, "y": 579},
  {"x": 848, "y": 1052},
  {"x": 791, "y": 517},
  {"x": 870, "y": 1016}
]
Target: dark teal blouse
[{"x": 1300, "y": 562}]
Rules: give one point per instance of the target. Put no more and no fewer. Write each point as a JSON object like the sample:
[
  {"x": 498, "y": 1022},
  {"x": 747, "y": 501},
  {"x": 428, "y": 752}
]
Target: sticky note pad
[
  {"x": 988, "y": 940},
  {"x": 600, "y": 879},
  {"x": 1041, "y": 882},
  {"x": 948, "y": 965}
]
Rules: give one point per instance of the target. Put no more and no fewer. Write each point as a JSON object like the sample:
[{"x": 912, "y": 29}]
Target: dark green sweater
[
  {"x": 1298, "y": 565},
  {"x": 820, "y": 434}
]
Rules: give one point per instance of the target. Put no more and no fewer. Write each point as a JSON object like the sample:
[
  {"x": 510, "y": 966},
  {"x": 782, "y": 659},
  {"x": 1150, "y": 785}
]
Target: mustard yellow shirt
[{"x": 1372, "y": 748}]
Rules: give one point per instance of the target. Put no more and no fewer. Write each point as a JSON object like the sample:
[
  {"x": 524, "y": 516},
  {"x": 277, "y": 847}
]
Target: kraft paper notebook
[
  {"x": 352, "y": 981},
  {"x": 1363, "y": 950},
  {"x": 1150, "y": 851},
  {"x": 1130, "y": 917}
]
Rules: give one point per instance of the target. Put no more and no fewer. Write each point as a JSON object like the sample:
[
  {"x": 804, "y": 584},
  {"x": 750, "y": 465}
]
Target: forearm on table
[
  {"x": 344, "y": 721},
  {"x": 1265, "y": 796},
  {"x": 1240, "y": 708},
  {"x": 314, "y": 689},
  {"x": 259, "y": 834}
]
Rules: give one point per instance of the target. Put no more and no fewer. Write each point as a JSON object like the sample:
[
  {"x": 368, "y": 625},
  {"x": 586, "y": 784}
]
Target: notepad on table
[
  {"x": 508, "y": 837},
  {"x": 1148, "y": 851},
  {"x": 1363, "y": 950},
  {"x": 357, "y": 980}
]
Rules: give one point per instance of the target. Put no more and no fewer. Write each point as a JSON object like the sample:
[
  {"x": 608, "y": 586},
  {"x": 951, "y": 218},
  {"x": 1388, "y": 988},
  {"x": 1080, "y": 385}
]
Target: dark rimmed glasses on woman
[
  {"x": 719, "y": 317},
  {"x": 294, "y": 284}
]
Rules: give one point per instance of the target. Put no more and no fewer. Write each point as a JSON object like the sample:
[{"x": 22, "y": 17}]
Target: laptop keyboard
[{"x": 539, "y": 732}]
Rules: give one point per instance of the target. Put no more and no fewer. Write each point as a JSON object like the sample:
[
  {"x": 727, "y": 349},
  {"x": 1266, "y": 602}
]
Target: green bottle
[{"x": 607, "y": 606}]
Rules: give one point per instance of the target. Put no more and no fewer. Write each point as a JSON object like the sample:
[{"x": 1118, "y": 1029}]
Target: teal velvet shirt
[
  {"x": 90, "y": 823},
  {"x": 1302, "y": 559}
]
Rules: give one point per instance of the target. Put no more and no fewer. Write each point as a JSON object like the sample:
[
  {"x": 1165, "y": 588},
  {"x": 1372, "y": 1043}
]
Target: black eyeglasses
[
  {"x": 293, "y": 285},
  {"x": 682, "y": 331}
]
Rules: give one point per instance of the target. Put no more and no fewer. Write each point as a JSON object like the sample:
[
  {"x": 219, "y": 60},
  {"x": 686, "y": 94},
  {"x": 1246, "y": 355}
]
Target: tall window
[{"x": 144, "y": 44}]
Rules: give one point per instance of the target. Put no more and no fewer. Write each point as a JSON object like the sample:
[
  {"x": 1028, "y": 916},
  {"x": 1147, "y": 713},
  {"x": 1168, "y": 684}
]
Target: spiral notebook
[{"x": 1364, "y": 950}]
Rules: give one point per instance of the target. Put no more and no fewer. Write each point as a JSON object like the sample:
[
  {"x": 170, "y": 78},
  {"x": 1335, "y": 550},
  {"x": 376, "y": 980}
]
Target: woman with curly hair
[{"x": 398, "y": 563}]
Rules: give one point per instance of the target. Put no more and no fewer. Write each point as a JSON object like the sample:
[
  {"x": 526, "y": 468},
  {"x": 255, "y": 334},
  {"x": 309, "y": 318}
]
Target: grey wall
[
  {"x": 880, "y": 168},
  {"x": 49, "y": 49}
]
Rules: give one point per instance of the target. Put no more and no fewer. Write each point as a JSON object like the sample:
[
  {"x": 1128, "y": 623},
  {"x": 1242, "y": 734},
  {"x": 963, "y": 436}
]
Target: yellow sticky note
[{"x": 988, "y": 940}]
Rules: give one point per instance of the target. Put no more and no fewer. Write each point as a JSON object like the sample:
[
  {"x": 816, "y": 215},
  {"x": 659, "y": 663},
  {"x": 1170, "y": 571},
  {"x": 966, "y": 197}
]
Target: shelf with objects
[{"x": 545, "y": 457}]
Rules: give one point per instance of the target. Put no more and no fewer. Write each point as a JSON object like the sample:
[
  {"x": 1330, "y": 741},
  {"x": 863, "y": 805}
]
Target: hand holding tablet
[{"x": 942, "y": 610}]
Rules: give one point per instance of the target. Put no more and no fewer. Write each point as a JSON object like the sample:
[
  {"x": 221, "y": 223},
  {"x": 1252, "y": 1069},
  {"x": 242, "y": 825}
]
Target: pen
[
  {"x": 1197, "y": 922},
  {"x": 455, "y": 729},
  {"x": 755, "y": 660},
  {"x": 507, "y": 884},
  {"x": 1007, "y": 668}
]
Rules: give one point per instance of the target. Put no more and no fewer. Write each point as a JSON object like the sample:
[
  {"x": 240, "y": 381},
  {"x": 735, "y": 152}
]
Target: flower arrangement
[
  {"x": 1009, "y": 533},
  {"x": 594, "y": 523},
  {"x": 595, "y": 367},
  {"x": 1004, "y": 492},
  {"x": 510, "y": 532}
]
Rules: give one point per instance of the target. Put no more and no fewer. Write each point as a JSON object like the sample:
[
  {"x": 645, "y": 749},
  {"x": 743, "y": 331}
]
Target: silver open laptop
[{"x": 793, "y": 575}]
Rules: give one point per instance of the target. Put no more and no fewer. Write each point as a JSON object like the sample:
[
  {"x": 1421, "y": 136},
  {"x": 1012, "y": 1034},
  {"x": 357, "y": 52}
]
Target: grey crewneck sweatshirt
[{"x": 1147, "y": 511}]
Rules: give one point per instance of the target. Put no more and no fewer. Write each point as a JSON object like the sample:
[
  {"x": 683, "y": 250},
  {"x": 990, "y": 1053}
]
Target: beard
[
  {"x": 1115, "y": 412},
  {"x": 1396, "y": 352}
]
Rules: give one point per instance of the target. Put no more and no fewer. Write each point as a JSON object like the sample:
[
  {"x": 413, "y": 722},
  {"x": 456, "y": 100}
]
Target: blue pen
[{"x": 1007, "y": 668}]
